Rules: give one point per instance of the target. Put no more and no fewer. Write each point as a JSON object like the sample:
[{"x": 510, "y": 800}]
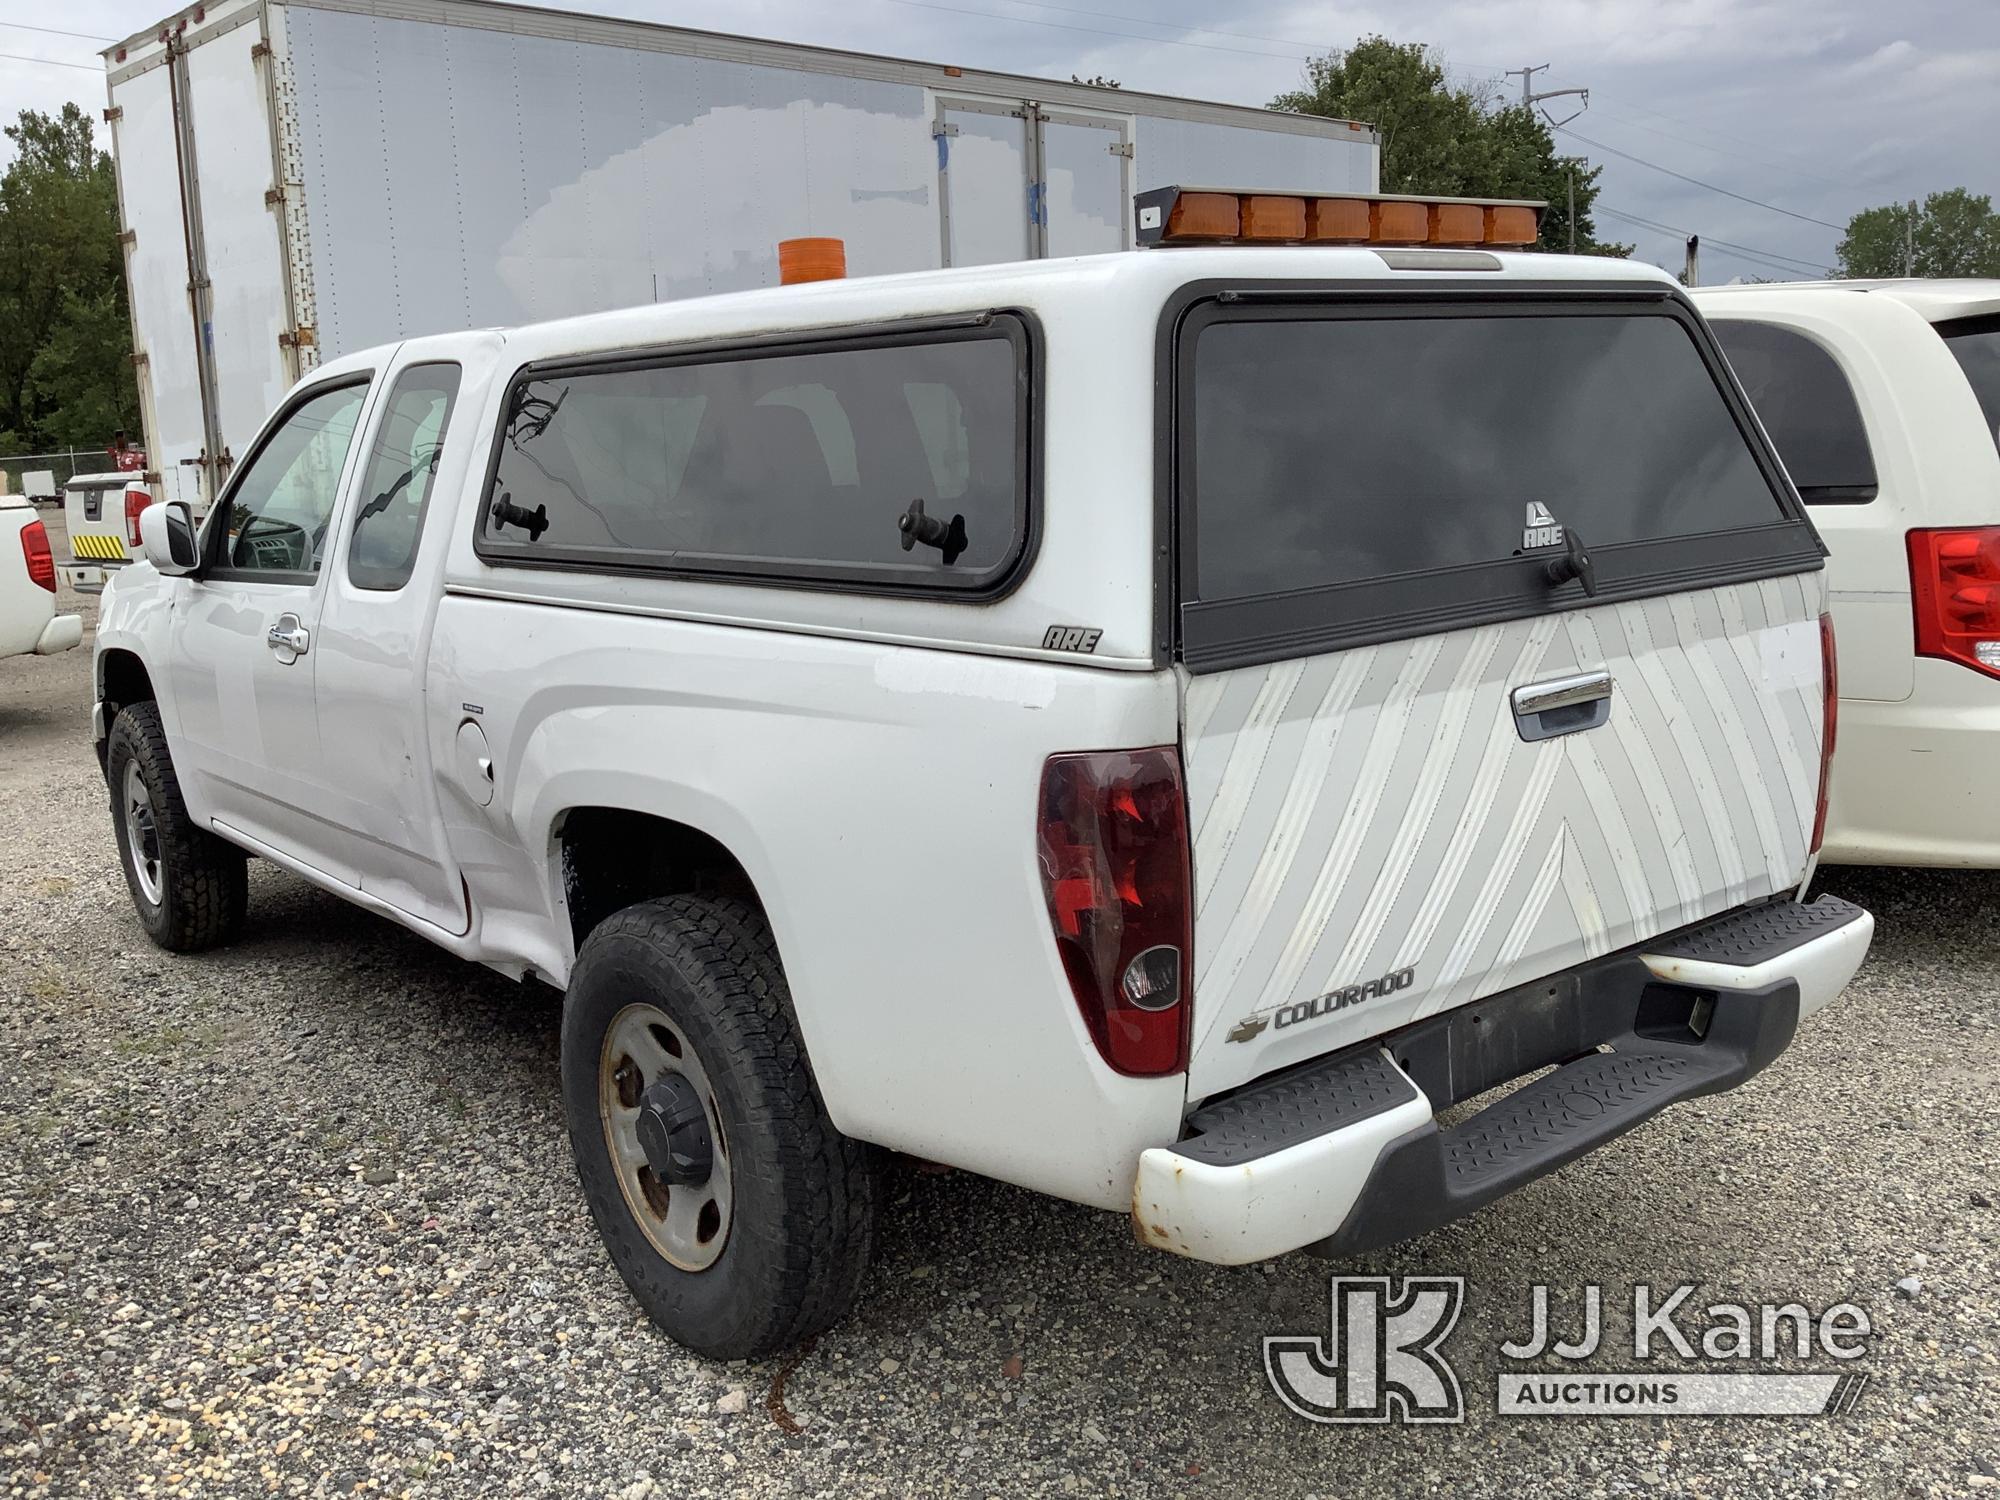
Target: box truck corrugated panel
[
  {"x": 1187, "y": 151},
  {"x": 241, "y": 230},
  {"x": 157, "y": 277},
  {"x": 471, "y": 177}
]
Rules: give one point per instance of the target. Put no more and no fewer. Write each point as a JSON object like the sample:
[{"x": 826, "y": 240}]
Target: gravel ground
[{"x": 299, "y": 1218}]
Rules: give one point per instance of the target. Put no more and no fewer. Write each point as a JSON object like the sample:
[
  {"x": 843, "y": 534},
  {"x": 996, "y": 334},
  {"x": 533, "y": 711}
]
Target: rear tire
[
  {"x": 765, "y": 1239},
  {"x": 189, "y": 887}
]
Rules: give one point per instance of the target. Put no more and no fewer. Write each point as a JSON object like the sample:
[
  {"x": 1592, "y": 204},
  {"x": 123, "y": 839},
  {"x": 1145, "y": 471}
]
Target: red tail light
[
  {"x": 41, "y": 561},
  {"x": 1114, "y": 855},
  {"x": 1829, "y": 666},
  {"x": 1955, "y": 585},
  {"x": 135, "y": 501}
]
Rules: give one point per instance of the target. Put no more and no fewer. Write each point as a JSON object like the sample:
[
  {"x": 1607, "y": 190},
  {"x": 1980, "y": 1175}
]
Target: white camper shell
[{"x": 353, "y": 176}]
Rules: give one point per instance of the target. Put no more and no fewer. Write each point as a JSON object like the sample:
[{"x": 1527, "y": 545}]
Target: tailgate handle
[{"x": 1563, "y": 705}]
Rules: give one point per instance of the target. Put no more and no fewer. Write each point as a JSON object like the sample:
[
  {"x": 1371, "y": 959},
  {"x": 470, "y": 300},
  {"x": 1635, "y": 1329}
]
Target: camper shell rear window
[{"x": 1352, "y": 468}]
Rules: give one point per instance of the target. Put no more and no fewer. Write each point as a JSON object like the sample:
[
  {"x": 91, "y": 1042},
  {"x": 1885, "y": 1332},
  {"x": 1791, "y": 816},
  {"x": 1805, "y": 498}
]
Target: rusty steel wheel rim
[{"x": 645, "y": 1055}]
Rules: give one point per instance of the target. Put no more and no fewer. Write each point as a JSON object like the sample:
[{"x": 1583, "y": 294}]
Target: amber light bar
[{"x": 1219, "y": 216}]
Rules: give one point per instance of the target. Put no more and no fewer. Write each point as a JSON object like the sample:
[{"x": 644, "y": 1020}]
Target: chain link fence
[{"x": 41, "y": 476}]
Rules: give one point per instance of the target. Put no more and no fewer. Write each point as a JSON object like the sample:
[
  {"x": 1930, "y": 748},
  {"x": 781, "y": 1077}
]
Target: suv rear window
[
  {"x": 796, "y": 462},
  {"x": 1975, "y": 344},
  {"x": 1355, "y": 472},
  {"x": 1807, "y": 406}
]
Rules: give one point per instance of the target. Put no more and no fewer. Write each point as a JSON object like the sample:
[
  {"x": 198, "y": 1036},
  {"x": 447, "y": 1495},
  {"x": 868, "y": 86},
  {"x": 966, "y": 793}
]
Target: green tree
[
  {"x": 65, "y": 341},
  {"x": 1450, "y": 139},
  {"x": 1957, "y": 234}
]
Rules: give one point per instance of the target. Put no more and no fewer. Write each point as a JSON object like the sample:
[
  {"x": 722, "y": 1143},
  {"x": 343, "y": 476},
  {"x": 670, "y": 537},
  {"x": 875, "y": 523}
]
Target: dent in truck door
[
  {"x": 374, "y": 638},
  {"x": 241, "y": 659}
]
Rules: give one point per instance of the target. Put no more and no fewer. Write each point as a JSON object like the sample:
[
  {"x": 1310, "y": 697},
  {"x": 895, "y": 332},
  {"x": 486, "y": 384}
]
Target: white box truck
[{"x": 303, "y": 178}]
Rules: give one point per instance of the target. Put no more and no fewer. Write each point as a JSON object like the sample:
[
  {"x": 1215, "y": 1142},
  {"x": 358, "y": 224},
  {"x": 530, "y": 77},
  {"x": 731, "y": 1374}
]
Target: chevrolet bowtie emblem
[{"x": 1248, "y": 1027}]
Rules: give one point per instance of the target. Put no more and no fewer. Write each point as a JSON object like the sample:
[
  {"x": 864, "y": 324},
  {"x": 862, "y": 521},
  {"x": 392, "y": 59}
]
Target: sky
[{"x": 1809, "y": 109}]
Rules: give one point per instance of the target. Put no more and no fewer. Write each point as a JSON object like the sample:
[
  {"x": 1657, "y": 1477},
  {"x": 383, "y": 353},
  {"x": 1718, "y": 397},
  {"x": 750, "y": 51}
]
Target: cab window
[
  {"x": 402, "y": 466},
  {"x": 282, "y": 503}
]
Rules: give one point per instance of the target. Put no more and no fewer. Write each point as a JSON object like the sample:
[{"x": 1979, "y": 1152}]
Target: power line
[
  {"x": 1696, "y": 181},
  {"x": 1706, "y": 239},
  {"x": 1130, "y": 36},
  {"x": 85, "y": 36},
  {"x": 1710, "y": 130},
  {"x": 1769, "y": 258},
  {"x": 1688, "y": 140},
  {"x": 50, "y": 62}
]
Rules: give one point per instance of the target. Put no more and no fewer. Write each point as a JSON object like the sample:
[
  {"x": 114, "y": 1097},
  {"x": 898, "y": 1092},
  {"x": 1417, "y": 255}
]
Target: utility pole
[
  {"x": 1691, "y": 274},
  {"x": 1529, "y": 98},
  {"x": 1910, "y": 241}
]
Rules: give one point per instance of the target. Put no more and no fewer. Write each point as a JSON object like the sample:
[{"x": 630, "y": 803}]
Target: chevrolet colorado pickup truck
[{"x": 1159, "y": 728}]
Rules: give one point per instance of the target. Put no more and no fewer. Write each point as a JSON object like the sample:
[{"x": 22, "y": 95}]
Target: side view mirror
[{"x": 166, "y": 536}]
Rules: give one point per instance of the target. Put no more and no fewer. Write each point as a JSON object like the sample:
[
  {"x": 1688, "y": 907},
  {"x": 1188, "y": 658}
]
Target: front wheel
[
  {"x": 189, "y": 887},
  {"x": 741, "y": 1219}
]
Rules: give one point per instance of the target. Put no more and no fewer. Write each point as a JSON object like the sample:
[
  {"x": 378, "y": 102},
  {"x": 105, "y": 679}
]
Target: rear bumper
[
  {"x": 62, "y": 633},
  {"x": 89, "y": 577},
  {"x": 1913, "y": 781},
  {"x": 1345, "y": 1154}
]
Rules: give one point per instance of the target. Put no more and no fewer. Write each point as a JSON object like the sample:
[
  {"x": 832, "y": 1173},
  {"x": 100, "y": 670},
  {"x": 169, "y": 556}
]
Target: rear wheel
[
  {"x": 740, "y": 1218},
  {"x": 189, "y": 887}
]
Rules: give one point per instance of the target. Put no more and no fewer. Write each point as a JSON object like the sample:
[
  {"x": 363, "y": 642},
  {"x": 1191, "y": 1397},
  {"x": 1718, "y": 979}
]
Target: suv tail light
[
  {"x": 135, "y": 501},
  {"x": 1829, "y": 667},
  {"x": 1955, "y": 585},
  {"x": 41, "y": 561},
  {"x": 1115, "y": 870}
]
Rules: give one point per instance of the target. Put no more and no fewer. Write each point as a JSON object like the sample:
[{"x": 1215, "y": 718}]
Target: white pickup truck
[
  {"x": 1159, "y": 728},
  {"x": 28, "y": 618}
]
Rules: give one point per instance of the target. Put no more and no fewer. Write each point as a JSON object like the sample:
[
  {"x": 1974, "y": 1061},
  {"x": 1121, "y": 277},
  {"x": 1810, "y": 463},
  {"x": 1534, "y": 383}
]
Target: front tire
[
  {"x": 742, "y": 1221},
  {"x": 189, "y": 887}
]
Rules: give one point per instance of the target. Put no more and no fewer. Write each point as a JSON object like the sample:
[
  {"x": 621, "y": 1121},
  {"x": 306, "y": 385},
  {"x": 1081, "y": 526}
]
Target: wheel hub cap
[{"x": 673, "y": 1131}]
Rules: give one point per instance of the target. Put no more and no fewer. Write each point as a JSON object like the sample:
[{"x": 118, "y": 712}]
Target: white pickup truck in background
[
  {"x": 28, "y": 618},
  {"x": 1159, "y": 728}
]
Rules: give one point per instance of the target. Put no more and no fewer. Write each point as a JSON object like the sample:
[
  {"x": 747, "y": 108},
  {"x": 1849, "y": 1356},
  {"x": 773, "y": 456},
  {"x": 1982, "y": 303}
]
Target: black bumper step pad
[
  {"x": 1291, "y": 1108},
  {"x": 1756, "y": 934}
]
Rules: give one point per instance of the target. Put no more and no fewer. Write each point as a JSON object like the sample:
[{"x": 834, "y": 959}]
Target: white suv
[
  {"x": 1159, "y": 728},
  {"x": 1883, "y": 398}
]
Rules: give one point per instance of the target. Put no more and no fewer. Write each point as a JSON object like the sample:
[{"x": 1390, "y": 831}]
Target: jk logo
[{"x": 1379, "y": 1360}]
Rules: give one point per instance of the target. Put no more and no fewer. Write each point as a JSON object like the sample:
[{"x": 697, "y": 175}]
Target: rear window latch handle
[{"x": 1574, "y": 563}]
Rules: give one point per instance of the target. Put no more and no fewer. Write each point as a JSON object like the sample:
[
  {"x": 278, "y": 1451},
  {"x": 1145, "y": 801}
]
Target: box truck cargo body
[{"x": 301, "y": 178}]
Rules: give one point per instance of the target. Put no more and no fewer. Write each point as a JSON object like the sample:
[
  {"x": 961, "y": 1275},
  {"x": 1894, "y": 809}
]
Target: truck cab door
[
  {"x": 374, "y": 639},
  {"x": 242, "y": 645}
]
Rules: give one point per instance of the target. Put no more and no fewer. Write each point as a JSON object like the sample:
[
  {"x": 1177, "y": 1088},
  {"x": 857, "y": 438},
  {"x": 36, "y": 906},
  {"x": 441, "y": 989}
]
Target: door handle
[
  {"x": 287, "y": 634},
  {"x": 1562, "y": 705}
]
